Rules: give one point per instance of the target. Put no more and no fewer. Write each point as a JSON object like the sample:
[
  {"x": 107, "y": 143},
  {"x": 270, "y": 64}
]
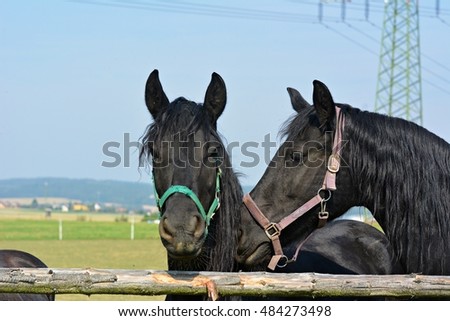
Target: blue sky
[{"x": 72, "y": 73}]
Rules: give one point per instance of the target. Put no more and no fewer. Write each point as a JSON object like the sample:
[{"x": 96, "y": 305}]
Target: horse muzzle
[
  {"x": 255, "y": 257},
  {"x": 183, "y": 239}
]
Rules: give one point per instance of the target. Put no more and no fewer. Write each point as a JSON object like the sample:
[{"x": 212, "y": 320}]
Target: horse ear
[
  {"x": 323, "y": 103},
  {"x": 155, "y": 98},
  {"x": 215, "y": 97},
  {"x": 297, "y": 101}
]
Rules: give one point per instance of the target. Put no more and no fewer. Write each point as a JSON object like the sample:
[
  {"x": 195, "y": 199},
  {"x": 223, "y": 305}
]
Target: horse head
[
  {"x": 295, "y": 177},
  {"x": 187, "y": 155}
]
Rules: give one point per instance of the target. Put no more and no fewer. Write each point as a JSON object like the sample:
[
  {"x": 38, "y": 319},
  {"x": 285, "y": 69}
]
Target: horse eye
[
  {"x": 296, "y": 157},
  {"x": 214, "y": 156},
  {"x": 213, "y": 151}
]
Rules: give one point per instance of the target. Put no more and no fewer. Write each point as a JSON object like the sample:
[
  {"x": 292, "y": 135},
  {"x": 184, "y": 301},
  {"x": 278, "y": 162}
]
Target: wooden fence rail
[{"x": 150, "y": 282}]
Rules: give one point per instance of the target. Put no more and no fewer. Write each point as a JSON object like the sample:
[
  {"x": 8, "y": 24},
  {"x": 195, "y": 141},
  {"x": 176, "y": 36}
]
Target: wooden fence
[{"x": 149, "y": 282}]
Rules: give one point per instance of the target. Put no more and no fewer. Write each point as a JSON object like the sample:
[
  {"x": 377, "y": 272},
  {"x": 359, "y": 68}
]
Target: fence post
[
  {"x": 60, "y": 229},
  {"x": 132, "y": 227}
]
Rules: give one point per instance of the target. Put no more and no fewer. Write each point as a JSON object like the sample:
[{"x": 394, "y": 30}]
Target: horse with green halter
[{"x": 198, "y": 203}]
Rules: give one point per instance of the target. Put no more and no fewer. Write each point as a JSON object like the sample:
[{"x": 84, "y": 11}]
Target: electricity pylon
[{"x": 399, "y": 86}]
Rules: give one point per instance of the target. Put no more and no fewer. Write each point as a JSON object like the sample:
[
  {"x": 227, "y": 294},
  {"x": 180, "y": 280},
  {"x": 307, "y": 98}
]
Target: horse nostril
[
  {"x": 166, "y": 231},
  {"x": 199, "y": 227}
]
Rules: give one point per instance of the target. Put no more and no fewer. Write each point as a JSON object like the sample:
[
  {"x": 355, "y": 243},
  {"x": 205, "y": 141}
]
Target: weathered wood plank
[{"x": 150, "y": 282}]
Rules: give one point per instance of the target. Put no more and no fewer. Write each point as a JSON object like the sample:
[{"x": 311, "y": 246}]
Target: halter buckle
[
  {"x": 323, "y": 215},
  {"x": 323, "y": 218},
  {"x": 333, "y": 163},
  {"x": 272, "y": 230}
]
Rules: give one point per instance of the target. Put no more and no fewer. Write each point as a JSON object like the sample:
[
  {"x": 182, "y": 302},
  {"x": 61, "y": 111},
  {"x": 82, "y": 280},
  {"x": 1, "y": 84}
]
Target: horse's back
[
  {"x": 16, "y": 258},
  {"x": 20, "y": 259},
  {"x": 347, "y": 247}
]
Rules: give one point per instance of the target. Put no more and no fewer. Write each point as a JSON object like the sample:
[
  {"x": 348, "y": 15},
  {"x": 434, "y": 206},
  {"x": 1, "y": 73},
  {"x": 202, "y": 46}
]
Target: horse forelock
[
  {"x": 297, "y": 124},
  {"x": 180, "y": 119}
]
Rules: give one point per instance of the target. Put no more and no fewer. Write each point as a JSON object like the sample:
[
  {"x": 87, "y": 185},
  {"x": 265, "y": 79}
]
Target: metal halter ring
[
  {"x": 325, "y": 199},
  {"x": 284, "y": 263}
]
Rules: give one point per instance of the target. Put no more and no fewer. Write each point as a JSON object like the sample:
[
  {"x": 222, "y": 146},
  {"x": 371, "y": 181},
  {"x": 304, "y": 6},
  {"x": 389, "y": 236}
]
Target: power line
[
  {"x": 374, "y": 6},
  {"x": 343, "y": 35},
  {"x": 435, "y": 61},
  {"x": 436, "y": 75},
  {"x": 278, "y": 16},
  {"x": 207, "y": 10},
  {"x": 436, "y": 86},
  {"x": 231, "y": 12}
]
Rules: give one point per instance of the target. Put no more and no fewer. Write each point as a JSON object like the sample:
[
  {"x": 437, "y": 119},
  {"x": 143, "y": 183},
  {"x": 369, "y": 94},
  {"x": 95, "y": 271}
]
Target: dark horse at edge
[{"x": 20, "y": 259}]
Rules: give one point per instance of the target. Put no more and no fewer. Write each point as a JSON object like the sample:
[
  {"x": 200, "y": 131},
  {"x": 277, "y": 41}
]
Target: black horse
[
  {"x": 395, "y": 168},
  {"x": 197, "y": 191},
  {"x": 19, "y": 259},
  {"x": 192, "y": 173},
  {"x": 339, "y": 247}
]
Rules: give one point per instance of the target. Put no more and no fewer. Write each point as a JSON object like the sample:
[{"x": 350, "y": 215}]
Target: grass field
[
  {"x": 37, "y": 214},
  {"x": 74, "y": 230},
  {"x": 25, "y": 224},
  {"x": 94, "y": 243}
]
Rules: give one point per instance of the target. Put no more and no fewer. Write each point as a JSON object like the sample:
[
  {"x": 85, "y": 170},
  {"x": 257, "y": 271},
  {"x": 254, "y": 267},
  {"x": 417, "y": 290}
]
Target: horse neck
[{"x": 402, "y": 175}]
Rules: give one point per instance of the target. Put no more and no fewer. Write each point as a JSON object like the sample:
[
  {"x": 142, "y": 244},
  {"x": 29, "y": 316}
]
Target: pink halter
[{"x": 273, "y": 230}]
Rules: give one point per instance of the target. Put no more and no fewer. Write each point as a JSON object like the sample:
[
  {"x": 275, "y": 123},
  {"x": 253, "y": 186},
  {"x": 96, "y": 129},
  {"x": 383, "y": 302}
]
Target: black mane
[
  {"x": 402, "y": 172},
  {"x": 183, "y": 117}
]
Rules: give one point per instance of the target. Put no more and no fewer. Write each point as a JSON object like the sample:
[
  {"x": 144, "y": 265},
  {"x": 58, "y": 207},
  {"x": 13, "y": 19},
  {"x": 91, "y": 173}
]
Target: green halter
[{"x": 190, "y": 193}]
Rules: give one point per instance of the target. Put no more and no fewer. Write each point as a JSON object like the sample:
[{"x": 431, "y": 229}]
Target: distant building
[
  {"x": 150, "y": 208},
  {"x": 80, "y": 208},
  {"x": 97, "y": 207}
]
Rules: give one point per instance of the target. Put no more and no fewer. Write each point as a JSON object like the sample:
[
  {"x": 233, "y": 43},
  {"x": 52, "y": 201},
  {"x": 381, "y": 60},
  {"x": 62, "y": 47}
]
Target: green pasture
[
  {"x": 99, "y": 242},
  {"x": 21, "y": 229},
  {"x": 28, "y": 224},
  {"x": 40, "y": 214}
]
